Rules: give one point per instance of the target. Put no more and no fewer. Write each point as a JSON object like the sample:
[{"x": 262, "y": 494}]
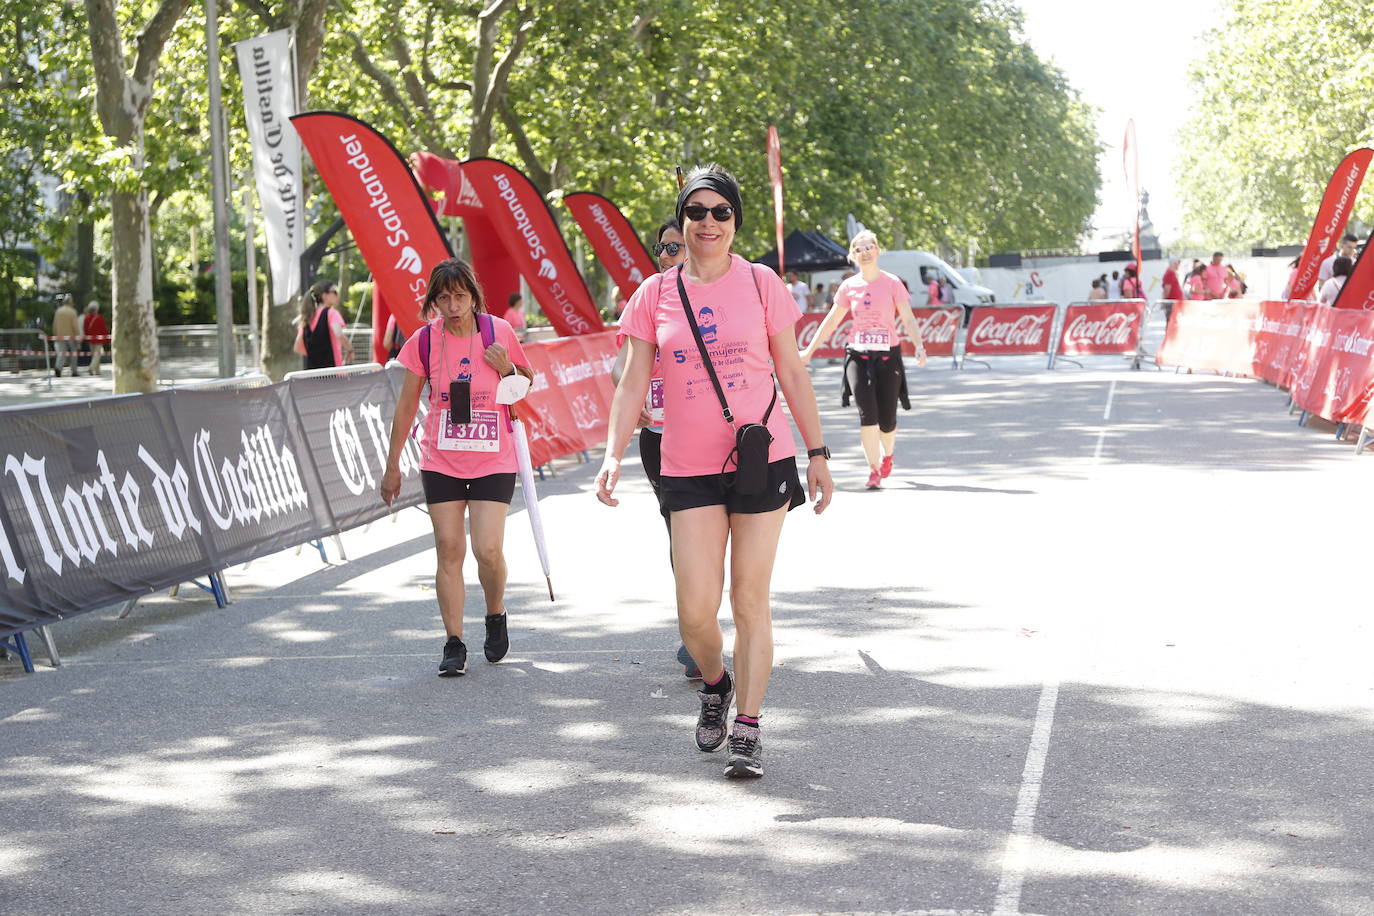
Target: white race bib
[
  {"x": 872, "y": 339},
  {"x": 483, "y": 434}
]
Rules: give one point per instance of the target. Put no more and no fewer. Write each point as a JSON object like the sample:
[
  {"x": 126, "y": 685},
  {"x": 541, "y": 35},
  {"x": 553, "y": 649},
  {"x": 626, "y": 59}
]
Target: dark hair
[
  {"x": 1341, "y": 267},
  {"x": 512, "y": 299},
  {"x": 711, "y": 177},
  {"x": 1097, "y": 284},
  {"x": 454, "y": 273},
  {"x": 314, "y": 299},
  {"x": 1351, "y": 238},
  {"x": 1218, "y": 254},
  {"x": 665, "y": 226}
]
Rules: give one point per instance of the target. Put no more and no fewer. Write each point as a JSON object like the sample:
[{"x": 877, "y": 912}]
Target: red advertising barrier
[
  {"x": 1337, "y": 370},
  {"x": 1009, "y": 330},
  {"x": 1097, "y": 328},
  {"x": 938, "y": 327},
  {"x": 1216, "y": 334},
  {"x": 569, "y": 405},
  {"x": 1276, "y": 342}
]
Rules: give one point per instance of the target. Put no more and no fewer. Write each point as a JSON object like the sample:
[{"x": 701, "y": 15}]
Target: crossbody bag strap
[
  {"x": 754, "y": 272},
  {"x": 701, "y": 347}
]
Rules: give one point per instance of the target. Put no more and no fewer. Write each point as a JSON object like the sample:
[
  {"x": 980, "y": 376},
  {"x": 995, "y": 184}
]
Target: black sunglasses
[
  {"x": 669, "y": 248},
  {"x": 696, "y": 212}
]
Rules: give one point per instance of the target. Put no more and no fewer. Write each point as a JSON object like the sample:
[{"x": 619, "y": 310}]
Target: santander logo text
[
  {"x": 539, "y": 254},
  {"x": 1025, "y": 331}
]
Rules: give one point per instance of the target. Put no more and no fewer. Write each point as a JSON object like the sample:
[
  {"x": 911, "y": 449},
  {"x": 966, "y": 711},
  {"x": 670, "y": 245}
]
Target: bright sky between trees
[{"x": 1129, "y": 60}]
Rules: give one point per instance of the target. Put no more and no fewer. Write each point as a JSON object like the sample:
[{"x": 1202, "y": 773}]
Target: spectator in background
[
  {"x": 1131, "y": 287},
  {"x": 97, "y": 334},
  {"x": 320, "y": 337},
  {"x": 1292, "y": 275},
  {"x": 1345, "y": 249},
  {"x": 1170, "y": 288},
  {"x": 1214, "y": 277},
  {"x": 1114, "y": 287},
  {"x": 1197, "y": 286},
  {"x": 801, "y": 293},
  {"x": 1340, "y": 270},
  {"x": 515, "y": 314},
  {"x": 393, "y": 338},
  {"x": 1235, "y": 283},
  {"x": 1097, "y": 292},
  {"x": 830, "y": 295},
  {"x": 66, "y": 334},
  {"x": 946, "y": 290},
  {"x": 933, "y": 290},
  {"x": 818, "y": 299}
]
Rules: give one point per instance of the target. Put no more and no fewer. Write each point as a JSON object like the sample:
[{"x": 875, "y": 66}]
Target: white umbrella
[{"x": 522, "y": 453}]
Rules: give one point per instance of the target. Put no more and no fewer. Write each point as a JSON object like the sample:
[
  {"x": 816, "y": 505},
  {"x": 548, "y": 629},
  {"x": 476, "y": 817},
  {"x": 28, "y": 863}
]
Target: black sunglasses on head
[
  {"x": 696, "y": 212},
  {"x": 669, "y": 248}
]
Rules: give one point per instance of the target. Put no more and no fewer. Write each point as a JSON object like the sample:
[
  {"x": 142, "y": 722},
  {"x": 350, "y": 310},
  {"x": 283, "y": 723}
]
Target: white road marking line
[
  {"x": 1102, "y": 433},
  {"x": 1017, "y": 854}
]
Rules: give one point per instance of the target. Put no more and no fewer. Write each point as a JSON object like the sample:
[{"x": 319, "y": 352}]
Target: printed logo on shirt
[{"x": 706, "y": 322}]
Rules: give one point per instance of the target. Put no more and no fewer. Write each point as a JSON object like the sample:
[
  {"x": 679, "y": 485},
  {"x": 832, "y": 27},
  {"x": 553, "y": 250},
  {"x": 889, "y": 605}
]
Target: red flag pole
[{"x": 775, "y": 173}]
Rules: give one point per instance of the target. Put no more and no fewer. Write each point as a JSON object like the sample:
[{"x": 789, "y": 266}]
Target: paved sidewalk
[{"x": 1063, "y": 664}]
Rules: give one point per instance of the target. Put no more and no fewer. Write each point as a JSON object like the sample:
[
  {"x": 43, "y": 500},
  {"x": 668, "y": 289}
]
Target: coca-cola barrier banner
[
  {"x": 614, "y": 240},
  {"x": 939, "y": 328},
  {"x": 1101, "y": 328},
  {"x": 1009, "y": 330},
  {"x": 105, "y": 500},
  {"x": 385, "y": 210}
]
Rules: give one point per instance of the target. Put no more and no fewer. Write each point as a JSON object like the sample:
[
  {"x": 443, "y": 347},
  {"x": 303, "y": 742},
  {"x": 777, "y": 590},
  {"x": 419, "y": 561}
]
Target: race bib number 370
[{"x": 481, "y": 435}]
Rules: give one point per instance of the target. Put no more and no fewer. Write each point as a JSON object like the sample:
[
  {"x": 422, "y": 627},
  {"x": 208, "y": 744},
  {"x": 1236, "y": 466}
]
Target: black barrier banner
[
  {"x": 105, "y": 500},
  {"x": 347, "y": 422},
  {"x": 96, "y": 508}
]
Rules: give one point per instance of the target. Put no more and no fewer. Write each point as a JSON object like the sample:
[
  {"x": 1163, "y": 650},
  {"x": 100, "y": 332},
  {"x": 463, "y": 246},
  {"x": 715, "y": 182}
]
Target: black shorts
[
  {"x": 875, "y": 378},
  {"x": 784, "y": 489},
  {"x": 441, "y": 488}
]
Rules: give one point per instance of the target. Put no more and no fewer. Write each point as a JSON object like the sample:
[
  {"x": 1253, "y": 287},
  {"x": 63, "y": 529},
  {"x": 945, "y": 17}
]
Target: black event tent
[{"x": 808, "y": 251}]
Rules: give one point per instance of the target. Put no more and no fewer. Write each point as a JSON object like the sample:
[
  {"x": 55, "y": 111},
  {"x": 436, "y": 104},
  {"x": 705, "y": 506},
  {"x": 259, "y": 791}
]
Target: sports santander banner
[
  {"x": 379, "y": 199},
  {"x": 775, "y": 178},
  {"x": 1009, "y": 331},
  {"x": 938, "y": 328},
  {"x": 614, "y": 240},
  {"x": 1096, "y": 328},
  {"x": 1338, "y": 373},
  {"x": 1281, "y": 328},
  {"x": 522, "y": 219},
  {"x": 267, "y": 68},
  {"x": 1336, "y": 205}
]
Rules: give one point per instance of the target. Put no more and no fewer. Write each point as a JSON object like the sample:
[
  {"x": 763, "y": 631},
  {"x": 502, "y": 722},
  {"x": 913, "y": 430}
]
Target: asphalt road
[{"x": 1099, "y": 647}]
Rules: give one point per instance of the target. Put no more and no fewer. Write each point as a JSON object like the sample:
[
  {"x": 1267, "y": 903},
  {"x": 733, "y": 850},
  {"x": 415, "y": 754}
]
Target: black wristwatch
[{"x": 822, "y": 452}]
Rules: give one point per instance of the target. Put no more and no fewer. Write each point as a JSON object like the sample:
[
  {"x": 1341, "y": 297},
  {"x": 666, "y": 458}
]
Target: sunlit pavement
[{"x": 1070, "y": 660}]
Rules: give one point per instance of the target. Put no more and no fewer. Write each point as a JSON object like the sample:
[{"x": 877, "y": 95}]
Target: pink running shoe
[
  {"x": 875, "y": 479},
  {"x": 886, "y": 468}
]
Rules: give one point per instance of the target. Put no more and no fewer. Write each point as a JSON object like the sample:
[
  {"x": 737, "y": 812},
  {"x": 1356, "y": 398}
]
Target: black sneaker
[
  {"x": 746, "y": 753},
  {"x": 711, "y": 730},
  {"x": 498, "y": 642},
  {"x": 455, "y": 663}
]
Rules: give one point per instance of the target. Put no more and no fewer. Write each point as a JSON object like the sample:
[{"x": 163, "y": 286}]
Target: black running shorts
[
  {"x": 441, "y": 488},
  {"x": 784, "y": 489}
]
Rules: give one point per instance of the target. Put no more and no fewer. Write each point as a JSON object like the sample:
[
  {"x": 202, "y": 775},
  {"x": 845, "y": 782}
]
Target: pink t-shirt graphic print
[
  {"x": 873, "y": 306},
  {"x": 735, "y": 326}
]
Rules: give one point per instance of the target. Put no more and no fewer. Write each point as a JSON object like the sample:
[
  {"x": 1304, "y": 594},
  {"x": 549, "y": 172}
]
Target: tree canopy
[{"x": 1281, "y": 96}]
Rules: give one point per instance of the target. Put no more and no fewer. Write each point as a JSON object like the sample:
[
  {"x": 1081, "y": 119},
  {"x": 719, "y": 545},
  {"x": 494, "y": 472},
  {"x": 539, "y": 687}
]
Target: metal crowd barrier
[{"x": 25, "y": 350}]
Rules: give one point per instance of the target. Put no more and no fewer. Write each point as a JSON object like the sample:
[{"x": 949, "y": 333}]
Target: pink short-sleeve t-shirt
[
  {"x": 473, "y": 449},
  {"x": 736, "y": 320},
  {"x": 1214, "y": 277},
  {"x": 653, "y": 403},
  {"x": 874, "y": 307}
]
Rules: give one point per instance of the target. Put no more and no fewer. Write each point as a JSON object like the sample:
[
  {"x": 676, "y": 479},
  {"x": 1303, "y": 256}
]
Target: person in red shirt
[
  {"x": 1170, "y": 288},
  {"x": 97, "y": 335}
]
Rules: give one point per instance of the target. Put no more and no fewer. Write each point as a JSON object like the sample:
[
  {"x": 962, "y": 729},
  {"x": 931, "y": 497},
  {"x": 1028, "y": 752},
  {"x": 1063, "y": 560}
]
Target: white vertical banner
[{"x": 267, "y": 67}]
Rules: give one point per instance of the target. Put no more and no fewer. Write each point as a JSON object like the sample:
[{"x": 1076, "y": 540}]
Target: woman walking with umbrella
[
  {"x": 721, "y": 323},
  {"x": 468, "y": 458}
]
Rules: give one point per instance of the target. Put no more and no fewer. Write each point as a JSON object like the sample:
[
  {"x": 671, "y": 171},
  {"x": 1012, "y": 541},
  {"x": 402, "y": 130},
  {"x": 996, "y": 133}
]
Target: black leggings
[{"x": 875, "y": 378}]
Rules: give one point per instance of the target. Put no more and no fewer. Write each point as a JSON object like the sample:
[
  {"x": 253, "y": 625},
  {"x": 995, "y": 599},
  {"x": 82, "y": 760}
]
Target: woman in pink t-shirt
[
  {"x": 320, "y": 336},
  {"x": 873, "y": 370},
  {"x": 745, "y": 317},
  {"x": 467, "y": 457}
]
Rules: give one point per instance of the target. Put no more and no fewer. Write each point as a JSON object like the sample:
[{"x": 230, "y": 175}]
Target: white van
[{"x": 909, "y": 264}]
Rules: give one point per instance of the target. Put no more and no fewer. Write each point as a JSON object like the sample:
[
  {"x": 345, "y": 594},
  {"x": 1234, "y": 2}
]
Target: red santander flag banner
[
  {"x": 1332, "y": 216},
  {"x": 775, "y": 177},
  {"x": 1009, "y": 330},
  {"x": 1130, "y": 154},
  {"x": 523, "y": 220},
  {"x": 938, "y": 329},
  {"x": 614, "y": 240},
  {"x": 382, "y": 204},
  {"x": 1096, "y": 328}
]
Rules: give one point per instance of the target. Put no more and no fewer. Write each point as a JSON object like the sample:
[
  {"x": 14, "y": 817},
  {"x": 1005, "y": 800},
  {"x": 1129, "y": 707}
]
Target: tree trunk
[
  {"x": 85, "y": 251},
  {"x": 134, "y": 351},
  {"x": 278, "y": 338}
]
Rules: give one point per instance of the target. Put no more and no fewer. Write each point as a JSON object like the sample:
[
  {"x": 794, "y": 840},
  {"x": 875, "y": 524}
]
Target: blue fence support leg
[{"x": 18, "y": 646}]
